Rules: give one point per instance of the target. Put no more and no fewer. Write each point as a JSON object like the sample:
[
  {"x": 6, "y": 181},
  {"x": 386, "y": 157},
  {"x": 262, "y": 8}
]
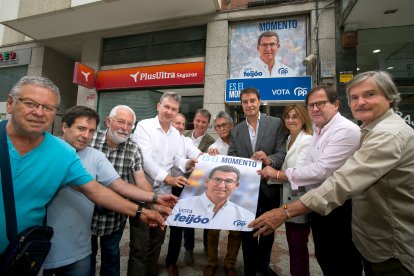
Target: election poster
[
  {"x": 222, "y": 194},
  {"x": 279, "y": 53}
]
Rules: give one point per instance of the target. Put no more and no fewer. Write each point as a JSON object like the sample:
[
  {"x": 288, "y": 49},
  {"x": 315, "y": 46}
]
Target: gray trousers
[{"x": 144, "y": 249}]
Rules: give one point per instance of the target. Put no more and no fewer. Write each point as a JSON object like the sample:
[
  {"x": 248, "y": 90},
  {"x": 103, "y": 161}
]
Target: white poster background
[
  {"x": 245, "y": 196},
  {"x": 292, "y": 39}
]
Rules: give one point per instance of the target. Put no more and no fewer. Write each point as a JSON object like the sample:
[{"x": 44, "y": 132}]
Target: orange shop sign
[
  {"x": 180, "y": 74},
  {"x": 84, "y": 75}
]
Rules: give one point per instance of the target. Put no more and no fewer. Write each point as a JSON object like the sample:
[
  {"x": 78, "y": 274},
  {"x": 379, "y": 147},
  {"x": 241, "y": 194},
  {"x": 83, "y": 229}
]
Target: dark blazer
[
  {"x": 205, "y": 142},
  {"x": 270, "y": 138}
]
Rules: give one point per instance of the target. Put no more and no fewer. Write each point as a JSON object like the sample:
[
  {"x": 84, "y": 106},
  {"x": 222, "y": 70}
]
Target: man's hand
[
  {"x": 163, "y": 210},
  {"x": 177, "y": 181},
  {"x": 268, "y": 222},
  {"x": 260, "y": 155},
  {"x": 168, "y": 200},
  {"x": 152, "y": 218},
  {"x": 213, "y": 151},
  {"x": 268, "y": 172},
  {"x": 191, "y": 163}
]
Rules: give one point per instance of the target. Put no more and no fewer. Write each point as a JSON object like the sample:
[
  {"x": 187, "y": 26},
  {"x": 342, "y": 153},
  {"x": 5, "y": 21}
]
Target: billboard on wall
[{"x": 263, "y": 50}]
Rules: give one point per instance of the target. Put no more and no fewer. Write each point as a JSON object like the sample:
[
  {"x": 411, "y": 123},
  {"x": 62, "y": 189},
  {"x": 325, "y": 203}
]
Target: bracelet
[
  {"x": 284, "y": 206},
  {"x": 155, "y": 198},
  {"x": 277, "y": 175},
  {"x": 138, "y": 213}
]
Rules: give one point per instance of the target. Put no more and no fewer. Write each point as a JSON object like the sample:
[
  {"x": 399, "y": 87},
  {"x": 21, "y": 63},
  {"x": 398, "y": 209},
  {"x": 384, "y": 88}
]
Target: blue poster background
[{"x": 288, "y": 89}]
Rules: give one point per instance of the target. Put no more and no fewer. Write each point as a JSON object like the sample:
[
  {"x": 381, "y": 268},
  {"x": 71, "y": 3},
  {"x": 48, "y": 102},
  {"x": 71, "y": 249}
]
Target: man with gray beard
[{"x": 125, "y": 156}]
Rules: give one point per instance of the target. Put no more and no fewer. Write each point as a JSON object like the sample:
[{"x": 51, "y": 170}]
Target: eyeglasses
[
  {"x": 32, "y": 105},
  {"x": 319, "y": 105},
  {"x": 222, "y": 126},
  {"x": 265, "y": 45},
  {"x": 121, "y": 122},
  {"x": 227, "y": 182}
]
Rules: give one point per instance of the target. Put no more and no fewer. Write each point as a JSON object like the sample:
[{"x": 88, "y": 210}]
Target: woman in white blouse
[{"x": 299, "y": 127}]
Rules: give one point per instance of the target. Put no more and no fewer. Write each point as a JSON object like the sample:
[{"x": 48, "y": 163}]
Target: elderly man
[
  {"x": 223, "y": 124},
  {"x": 213, "y": 209},
  {"x": 379, "y": 178},
  {"x": 41, "y": 163},
  {"x": 70, "y": 213},
  {"x": 125, "y": 155},
  {"x": 334, "y": 140},
  {"x": 259, "y": 137},
  {"x": 265, "y": 66},
  {"x": 161, "y": 146}
]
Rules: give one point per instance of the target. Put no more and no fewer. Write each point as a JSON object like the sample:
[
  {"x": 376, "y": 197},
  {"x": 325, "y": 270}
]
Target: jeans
[
  {"x": 110, "y": 255},
  {"x": 78, "y": 268}
]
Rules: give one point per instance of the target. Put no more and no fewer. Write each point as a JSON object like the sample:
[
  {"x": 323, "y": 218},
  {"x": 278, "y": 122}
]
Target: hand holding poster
[{"x": 222, "y": 194}]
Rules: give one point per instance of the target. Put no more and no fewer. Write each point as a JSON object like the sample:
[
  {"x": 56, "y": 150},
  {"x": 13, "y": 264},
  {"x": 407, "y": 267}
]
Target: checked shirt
[{"x": 126, "y": 159}]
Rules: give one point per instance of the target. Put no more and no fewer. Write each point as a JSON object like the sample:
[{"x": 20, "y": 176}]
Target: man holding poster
[{"x": 259, "y": 137}]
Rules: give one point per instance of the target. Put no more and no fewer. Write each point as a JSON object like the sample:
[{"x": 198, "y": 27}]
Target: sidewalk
[{"x": 279, "y": 259}]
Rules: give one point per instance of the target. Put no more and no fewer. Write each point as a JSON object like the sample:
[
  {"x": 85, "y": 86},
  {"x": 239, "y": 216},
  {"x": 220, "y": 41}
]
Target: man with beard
[{"x": 125, "y": 156}]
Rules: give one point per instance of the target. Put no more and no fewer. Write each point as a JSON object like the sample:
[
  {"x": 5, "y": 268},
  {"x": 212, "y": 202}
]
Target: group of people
[{"x": 352, "y": 186}]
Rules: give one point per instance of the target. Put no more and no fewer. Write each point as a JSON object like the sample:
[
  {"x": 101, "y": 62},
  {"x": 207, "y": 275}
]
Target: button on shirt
[
  {"x": 126, "y": 159},
  {"x": 197, "y": 212},
  {"x": 330, "y": 147},
  {"x": 379, "y": 178},
  {"x": 161, "y": 151},
  {"x": 259, "y": 69}
]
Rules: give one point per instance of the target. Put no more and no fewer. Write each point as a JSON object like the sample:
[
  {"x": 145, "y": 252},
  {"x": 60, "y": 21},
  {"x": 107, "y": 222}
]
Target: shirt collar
[
  {"x": 321, "y": 130},
  {"x": 158, "y": 125},
  {"x": 208, "y": 204},
  {"x": 258, "y": 120}
]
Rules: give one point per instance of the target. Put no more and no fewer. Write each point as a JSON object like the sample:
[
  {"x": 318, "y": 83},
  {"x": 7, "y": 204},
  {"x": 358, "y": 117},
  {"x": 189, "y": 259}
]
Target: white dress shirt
[
  {"x": 188, "y": 151},
  {"x": 221, "y": 146},
  {"x": 160, "y": 150},
  {"x": 259, "y": 69},
  {"x": 330, "y": 147}
]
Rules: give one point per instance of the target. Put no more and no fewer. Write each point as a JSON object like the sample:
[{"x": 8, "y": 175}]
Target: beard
[{"x": 116, "y": 137}]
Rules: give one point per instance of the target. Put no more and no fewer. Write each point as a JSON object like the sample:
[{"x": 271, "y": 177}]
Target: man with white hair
[{"x": 125, "y": 156}]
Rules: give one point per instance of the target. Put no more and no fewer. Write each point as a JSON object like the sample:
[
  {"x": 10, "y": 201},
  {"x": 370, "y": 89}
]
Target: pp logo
[
  {"x": 239, "y": 223},
  {"x": 283, "y": 71},
  {"x": 300, "y": 91}
]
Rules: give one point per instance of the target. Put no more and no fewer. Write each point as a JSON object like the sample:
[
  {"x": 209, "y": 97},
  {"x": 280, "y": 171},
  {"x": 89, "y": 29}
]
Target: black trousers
[
  {"x": 334, "y": 249},
  {"x": 257, "y": 251}
]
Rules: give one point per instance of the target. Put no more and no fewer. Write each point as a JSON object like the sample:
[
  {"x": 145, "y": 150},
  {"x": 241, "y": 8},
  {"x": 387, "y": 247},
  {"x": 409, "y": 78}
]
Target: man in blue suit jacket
[{"x": 259, "y": 137}]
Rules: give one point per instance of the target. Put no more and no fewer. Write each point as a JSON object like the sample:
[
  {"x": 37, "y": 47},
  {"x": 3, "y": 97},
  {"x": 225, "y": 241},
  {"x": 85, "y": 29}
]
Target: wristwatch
[
  {"x": 271, "y": 161},
  {"x": 138, "y": 213}
]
